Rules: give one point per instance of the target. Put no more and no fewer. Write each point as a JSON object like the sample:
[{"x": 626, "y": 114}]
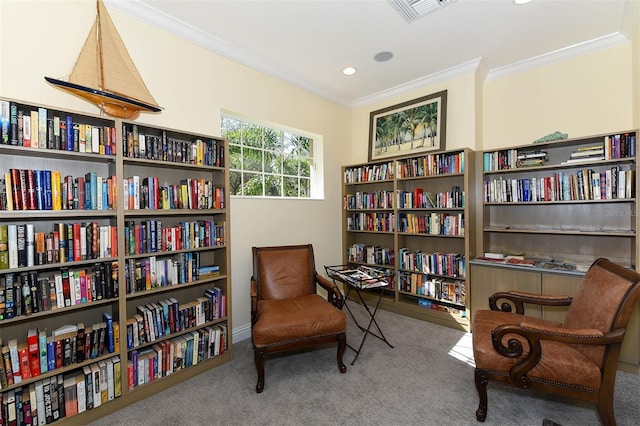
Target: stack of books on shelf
[
  {"x": 531, "y": 158},
  {"x": 586, "y": 154}
]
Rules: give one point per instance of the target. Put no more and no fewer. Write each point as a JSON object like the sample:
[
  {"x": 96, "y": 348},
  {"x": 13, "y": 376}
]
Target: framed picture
[{"x": 409, "y": 128}]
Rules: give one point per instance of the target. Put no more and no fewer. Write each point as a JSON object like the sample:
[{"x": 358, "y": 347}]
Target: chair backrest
[
  {"x": 604, "y": 300},
  {"x": 284, "y": 272}
]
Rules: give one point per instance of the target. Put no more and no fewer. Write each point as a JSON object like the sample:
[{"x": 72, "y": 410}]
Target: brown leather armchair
[
  {"x": 577, "y": 358},
  {"x": 286, "y": 312}
]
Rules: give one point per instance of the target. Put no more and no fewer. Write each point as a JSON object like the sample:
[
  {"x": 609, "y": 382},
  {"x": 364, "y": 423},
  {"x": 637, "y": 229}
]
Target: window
[{"x": 266, "y": 161}]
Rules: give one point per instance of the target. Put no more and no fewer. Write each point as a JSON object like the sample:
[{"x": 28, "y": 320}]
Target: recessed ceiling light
[
  {"x": 383, "y": 56},
  {"x": 349, "y": 71},
  {"x": 519, "y": 2}
]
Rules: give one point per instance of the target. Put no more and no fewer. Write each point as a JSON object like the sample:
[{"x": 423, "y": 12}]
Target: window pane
[
  {"x": 272, "y": 139},
  {"x": 305, "y": 187},
  {"x": 305, "y": 167},
  {"x": 272, "y": 162},
  {"x": 273, "y": 186},
  {"x": 291, "y": 166},
  {"x": 252, "y": 184},
  {"x": 304, "y": 146},
  {"x": 235, "y": 157},
  {"x": 252, "y": 135},
  {"x": 252, "y": 159},
  {"x": 235, "y": 183},
  {"x": 232, "y": 130},
  {"x": 290, "y": 186}
]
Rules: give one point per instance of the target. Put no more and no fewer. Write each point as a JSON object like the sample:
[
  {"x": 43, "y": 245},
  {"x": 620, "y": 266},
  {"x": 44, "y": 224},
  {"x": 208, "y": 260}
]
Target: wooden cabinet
[
  {"x": 559, "y": 205},
  {"x": 91, "y": 234},
  {"x": 414, "y": 216}
]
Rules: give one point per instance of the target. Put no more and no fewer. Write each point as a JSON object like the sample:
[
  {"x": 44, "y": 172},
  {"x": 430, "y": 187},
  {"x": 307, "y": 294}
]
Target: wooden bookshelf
[
  {"x": 562, "y": 209},
  {"x": 414, "y": 215},
  {"x": 171, "y": 160}
]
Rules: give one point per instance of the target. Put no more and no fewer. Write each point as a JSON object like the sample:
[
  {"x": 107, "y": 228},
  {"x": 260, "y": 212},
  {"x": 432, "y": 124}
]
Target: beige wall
[{"x": 586, "y": 95}]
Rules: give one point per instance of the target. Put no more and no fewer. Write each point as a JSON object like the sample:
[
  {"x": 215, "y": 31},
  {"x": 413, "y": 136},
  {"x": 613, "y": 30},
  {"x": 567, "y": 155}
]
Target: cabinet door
[{"x": 486, "y": 280}]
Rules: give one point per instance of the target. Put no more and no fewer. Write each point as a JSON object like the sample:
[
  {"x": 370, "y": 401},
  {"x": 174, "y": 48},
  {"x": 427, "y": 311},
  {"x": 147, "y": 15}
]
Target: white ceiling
[{"x": 309, "y": 42}]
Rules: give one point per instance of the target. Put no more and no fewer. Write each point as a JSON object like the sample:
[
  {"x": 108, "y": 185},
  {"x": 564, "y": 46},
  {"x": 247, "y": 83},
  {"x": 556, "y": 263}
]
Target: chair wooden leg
[
  {"x": 342, "y": 344},
  {"x": 605, "y": 410},
  {"x": 481, "y": 386},
  {"x": 258, "y": 356}
]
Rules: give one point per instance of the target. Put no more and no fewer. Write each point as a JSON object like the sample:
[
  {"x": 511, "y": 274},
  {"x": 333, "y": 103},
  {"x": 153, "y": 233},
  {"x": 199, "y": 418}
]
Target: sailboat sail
[{"x": 105, "y": 75}]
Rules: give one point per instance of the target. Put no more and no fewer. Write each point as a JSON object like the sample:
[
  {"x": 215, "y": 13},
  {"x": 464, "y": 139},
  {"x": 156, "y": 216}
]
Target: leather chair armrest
[
  {"x": 519, "y": 298},
  {"x": 534, "y": 334},
  {"x": 334, "y": 295},
  {"x": 254, "y": 300}
]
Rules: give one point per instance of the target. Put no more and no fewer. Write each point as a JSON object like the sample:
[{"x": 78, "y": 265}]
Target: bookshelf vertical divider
[{"x": 197, "y": 259}]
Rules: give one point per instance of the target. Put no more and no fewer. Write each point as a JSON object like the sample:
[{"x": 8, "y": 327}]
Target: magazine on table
[{"x": 362, "y": 276}]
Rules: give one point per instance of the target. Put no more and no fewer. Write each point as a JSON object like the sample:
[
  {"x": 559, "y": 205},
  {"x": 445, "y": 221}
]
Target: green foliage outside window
[{"x": 267, "y": 162}]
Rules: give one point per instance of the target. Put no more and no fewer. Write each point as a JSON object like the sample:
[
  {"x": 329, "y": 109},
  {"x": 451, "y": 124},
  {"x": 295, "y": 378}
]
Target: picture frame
[{"x": 408, "y": 128}]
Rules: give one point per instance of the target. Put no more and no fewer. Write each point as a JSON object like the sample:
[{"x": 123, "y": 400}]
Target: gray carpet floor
[{"x": 426, "y": 379}]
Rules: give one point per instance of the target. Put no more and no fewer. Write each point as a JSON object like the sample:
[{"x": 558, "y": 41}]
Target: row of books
[
  {"x": 32, "y": 292},
  {"x": 365, "y": 200},
  {"x": 533, "y": 261},
  {"x": 373, "y": 255},
  {"x": 165, "y": 317},
  {"x": 431, "y": 164},
  {"x": 22, "y": 246},
  {"x": 147, "y": 193},
  {"x": 62, "y": 396},
  {"x": 165, "y": 148},
  {"x": 150, "y": 236},
  {"x": 442, "y": 307},
  {"x": 434, "y": 288},
  {"x": 446, "y": 264},
  {"x": 170, "y": 356},
  {"x": 369, "y": 173},
  {"x": 432, "y": 223},
  {"x": 143, "y": 274},
  {"x": 28, "y": 189},
  {"x": 37, "y": 129},
  {"x": 585, "y": 184},
  {"x": 378, "y": 222},
  {"x": 67, "y": 345},
  {"x": 616, "y": 146}
]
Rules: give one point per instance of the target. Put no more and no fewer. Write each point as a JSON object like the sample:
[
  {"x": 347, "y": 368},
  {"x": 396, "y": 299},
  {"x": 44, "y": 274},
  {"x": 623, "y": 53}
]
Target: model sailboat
[{"x": 105, "y": 75}]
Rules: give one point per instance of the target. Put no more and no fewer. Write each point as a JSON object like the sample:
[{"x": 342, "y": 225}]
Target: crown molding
[
  {"x": 156, "y": 18},
  {"x": 428, "y": 80},
  {"x": 570, "y": 52}
]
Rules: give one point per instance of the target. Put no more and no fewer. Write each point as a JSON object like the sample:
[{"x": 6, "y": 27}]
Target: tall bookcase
[
  {"x": 144, "y": 213},
  {"x": 414, "y": 215},
  {"x": 560, "y": 205}
]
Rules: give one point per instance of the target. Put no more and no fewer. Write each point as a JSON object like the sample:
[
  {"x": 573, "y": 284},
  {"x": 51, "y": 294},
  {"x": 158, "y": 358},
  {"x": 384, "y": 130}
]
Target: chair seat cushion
[
  {"x": 559, "y": 363},
  {"x": 289, "y": 320}
]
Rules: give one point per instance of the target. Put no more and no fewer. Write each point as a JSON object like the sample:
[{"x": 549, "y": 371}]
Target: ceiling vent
[{"x": 411, "y": 10}]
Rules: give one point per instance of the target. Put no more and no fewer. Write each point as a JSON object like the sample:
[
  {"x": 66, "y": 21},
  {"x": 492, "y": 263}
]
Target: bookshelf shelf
[
  {"x": 564, "y": 215},
  {"x": 92, "y": 154},
  {"x": 426, "y": 189}
]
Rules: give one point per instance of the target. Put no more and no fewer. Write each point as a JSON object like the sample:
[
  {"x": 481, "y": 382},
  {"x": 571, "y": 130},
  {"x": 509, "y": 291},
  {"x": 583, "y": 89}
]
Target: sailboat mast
[{"x": 99, "y": 36}]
